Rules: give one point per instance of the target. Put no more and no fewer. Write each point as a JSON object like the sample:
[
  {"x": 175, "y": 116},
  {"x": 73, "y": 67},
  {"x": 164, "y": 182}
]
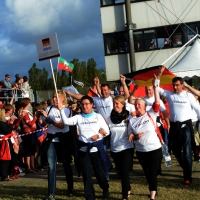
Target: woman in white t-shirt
[
  {"x": 147, "y": 143},
  {"x": 92, "y": 127},
  {"x": 120, "y": 147}
]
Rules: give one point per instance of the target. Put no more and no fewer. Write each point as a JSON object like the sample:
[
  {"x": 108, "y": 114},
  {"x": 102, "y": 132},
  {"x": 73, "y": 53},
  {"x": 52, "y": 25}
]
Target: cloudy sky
[{"x": 76, "y": 22}]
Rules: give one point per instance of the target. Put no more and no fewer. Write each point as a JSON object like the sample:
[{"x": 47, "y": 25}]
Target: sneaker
[
  {"x": 21, "y": 169},
  {"x": 22, "y": 174},
  {"x": 50, "y": 197},
  {"x": 105, "y": 193}
]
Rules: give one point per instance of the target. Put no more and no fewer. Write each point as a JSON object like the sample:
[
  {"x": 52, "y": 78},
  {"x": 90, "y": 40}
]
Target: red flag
[{"x": 92, "y": 93}]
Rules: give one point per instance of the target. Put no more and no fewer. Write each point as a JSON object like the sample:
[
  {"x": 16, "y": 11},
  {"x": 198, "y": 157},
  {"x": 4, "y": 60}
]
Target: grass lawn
[{"x": 170, "y": 185}]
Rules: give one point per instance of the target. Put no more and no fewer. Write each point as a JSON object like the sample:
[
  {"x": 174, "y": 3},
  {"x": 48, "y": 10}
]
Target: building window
[
  {"x": 189, "y": 34},
  {"x": 116, "y": 43},
  {"x": 138, "y": 40},
  {"x": 148, "y": 39},
  {"x": 111, "y": 2}
]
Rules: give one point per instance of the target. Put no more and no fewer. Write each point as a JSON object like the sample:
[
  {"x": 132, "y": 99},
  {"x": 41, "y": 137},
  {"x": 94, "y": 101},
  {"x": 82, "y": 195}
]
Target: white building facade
[{"x": 156, "y": 21}]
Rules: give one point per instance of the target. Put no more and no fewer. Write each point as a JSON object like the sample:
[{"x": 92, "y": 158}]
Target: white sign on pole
[{"x": 47, "y": 47}]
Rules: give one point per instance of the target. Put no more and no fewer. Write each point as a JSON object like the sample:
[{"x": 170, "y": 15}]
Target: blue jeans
[
  {"x": 184, "y": 158},
  {"x": 52, "y": 160},
  {"x": 165, "y": 136}
]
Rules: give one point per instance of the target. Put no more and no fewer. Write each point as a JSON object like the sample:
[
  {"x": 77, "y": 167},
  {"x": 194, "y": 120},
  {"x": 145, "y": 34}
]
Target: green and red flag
[{"x": 64, "y": 65}]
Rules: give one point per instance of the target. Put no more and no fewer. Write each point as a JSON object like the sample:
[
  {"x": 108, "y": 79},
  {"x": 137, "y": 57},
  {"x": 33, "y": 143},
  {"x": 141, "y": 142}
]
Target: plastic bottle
[{"x": 166, "y": 156}]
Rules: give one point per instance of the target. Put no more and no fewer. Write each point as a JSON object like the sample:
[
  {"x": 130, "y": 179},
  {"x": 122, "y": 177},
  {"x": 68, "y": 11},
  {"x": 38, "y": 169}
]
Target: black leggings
[
  {"x": 123, "y": 161},
  {"x": 150, "y": 162}
]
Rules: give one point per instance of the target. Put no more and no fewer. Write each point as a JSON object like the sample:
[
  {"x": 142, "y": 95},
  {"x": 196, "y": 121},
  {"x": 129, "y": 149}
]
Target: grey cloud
[{"x": 77, "y": 24}]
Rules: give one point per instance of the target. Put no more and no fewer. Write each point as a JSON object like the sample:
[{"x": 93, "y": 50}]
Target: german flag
[
  {"x": 46, "y": 42},
  {"x": 144, "y": 78}
]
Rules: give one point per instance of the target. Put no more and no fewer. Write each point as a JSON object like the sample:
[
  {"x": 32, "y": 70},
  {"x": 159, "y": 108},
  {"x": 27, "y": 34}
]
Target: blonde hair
[
  {"x": 121, "y": 99},
  {"x": 143, "y": 99},
  {"x": 2, "y": 114},
  {"x": 62, "y": 94}
]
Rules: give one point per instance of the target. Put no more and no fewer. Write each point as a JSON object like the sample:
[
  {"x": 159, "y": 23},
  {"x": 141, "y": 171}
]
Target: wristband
[
  {"x": 159, "y": 74},
  {"x": 124, "y": 84}
]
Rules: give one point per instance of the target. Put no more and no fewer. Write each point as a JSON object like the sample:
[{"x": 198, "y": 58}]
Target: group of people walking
[{"x": 107, "y": 121}]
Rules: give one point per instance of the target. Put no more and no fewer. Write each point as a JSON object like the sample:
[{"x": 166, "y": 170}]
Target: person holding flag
[
  {"x": 142, "y": 129},
  {"x": 56, "y": 143}
]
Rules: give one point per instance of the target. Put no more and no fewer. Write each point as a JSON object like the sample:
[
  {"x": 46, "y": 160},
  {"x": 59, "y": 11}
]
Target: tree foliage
[{"x": 85, "y": 72}]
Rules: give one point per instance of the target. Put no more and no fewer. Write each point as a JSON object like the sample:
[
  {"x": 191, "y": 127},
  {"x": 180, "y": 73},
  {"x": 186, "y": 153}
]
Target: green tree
[
  {"x": 91, "y": 71},
  {"x": 34, "y": 77},
  {"x": 83, "y": 73},
  {"x": 44, "y": 79},
  {"x": 64, "y": 79}
]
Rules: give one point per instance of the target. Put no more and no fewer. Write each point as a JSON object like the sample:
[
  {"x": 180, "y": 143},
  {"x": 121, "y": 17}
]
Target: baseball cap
[{"x": 7, "y": 75}]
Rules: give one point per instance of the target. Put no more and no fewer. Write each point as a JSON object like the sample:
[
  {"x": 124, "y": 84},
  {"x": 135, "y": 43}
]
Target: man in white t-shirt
[
  {"x": 181, "y": 133},
  {"x": 104, "y": 103}
]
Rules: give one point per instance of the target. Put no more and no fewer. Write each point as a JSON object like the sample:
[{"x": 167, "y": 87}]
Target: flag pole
[
  {"x": 53, "y": 78},
  {"x": 71, "y": 79},
  {"x": 180, "y": 49}
]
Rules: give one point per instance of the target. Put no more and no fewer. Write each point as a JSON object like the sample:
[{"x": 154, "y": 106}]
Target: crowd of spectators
[{"x": 20, "y": 87}]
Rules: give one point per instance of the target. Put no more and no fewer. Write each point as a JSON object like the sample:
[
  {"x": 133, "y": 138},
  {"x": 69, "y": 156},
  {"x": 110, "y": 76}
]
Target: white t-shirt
[
  {"x": 56, "y": 116},
  {"x": 180, "y": 105},
  {"x": 87, "y": 127},
  {"x": 25, "y": 85},
  {"x": 119, "y": 136},
  {"x": 151, "y": 100},
  {"x": 104, "y": 106},
  {"x": 149, "y": 141},
  {"x": 194, "y": 114},
  {"x": 130, "y": 107}
]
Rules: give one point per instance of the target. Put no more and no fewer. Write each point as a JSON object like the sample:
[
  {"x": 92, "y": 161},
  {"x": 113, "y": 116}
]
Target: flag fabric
[
  {"x": 92, "y": 93},
  {"x": 144, "y": 78},
  {"x": 71, "y": 88},
  {"x": 40, "y": 135},
  {"x": 79, "y": 83},
  {"x": 132, "y": 81},
  {"x": 64, "y": 65}
]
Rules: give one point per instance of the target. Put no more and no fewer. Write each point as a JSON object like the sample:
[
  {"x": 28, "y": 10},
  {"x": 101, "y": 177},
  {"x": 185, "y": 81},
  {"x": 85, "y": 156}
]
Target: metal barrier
[
  {"x": 43, "y": 95},
  {"x": 4, "y": 95}
]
